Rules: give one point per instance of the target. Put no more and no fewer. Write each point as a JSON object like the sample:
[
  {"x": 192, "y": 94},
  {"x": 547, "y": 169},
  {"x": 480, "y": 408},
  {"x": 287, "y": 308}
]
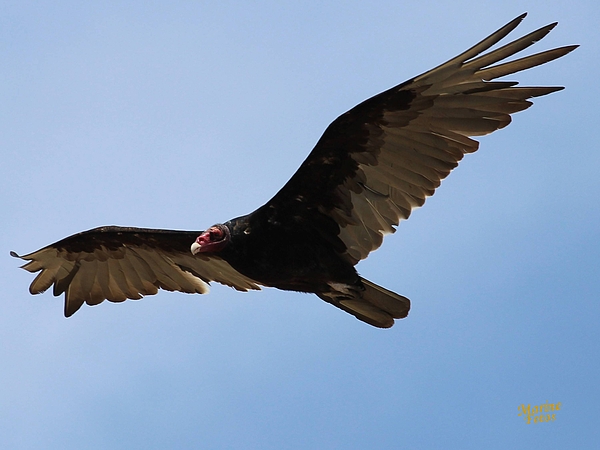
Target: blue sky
[{"x": 179, "y": 115}]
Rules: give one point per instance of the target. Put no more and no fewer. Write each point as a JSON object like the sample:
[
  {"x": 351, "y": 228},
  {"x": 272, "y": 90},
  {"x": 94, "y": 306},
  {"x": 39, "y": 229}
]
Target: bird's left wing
[
  {"x": 377, "y": 162},
  {"x": 117, "y": 263}
]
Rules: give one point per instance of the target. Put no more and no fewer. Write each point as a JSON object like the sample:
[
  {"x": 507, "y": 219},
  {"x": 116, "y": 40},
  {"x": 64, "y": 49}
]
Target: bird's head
[{"x": 212, "y": 240}]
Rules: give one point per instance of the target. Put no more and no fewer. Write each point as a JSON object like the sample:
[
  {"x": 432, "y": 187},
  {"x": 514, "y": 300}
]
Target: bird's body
[
  {"x": 306, "y": 261},
  {"x": 373, "y": 165}
]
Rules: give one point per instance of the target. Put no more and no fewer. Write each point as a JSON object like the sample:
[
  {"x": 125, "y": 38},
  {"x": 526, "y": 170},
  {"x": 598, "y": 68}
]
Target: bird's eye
[{"x": 216, "y": 235}]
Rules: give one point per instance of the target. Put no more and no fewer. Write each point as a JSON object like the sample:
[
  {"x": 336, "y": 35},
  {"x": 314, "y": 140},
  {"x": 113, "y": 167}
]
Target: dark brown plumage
[{"x": 371, "y": 167}]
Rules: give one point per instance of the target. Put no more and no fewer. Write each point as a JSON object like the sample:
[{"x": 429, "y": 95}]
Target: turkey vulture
[{"x": 369, "y": 169}]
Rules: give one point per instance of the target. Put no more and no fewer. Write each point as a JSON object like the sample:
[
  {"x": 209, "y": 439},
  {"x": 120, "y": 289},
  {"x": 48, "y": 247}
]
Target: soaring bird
[{"x": 371, "y": 167}]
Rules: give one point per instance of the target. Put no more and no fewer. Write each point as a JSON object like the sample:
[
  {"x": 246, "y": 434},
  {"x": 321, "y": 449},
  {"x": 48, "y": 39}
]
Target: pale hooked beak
[{"x": 195, "y": 248}]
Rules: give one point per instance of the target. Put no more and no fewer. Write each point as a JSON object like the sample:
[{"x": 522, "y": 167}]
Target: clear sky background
[{"x": 182, "y": 114}]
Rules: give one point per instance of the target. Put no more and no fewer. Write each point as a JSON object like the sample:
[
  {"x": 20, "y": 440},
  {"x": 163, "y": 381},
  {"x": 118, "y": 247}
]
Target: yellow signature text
[{"x": 539, "y": 413}]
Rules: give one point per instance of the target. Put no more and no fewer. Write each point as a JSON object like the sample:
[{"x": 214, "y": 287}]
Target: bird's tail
[{"x": 374, "y": 305}]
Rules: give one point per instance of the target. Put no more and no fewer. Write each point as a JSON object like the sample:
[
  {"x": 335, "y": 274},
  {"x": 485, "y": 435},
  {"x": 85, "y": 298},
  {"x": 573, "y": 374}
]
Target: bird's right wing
[
  {"x": 383, "y": 158},
  {"x": 116, "y": 263}
]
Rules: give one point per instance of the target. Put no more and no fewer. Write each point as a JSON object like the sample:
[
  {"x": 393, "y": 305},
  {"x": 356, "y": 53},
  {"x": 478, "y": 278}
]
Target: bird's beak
[
  {"x": 195, "y": 248},
  {"x": 200, "y": 242}
]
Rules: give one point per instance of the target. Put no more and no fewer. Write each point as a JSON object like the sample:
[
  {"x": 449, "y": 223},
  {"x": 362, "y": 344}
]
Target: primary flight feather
[{"x": 371, "y": 167}]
